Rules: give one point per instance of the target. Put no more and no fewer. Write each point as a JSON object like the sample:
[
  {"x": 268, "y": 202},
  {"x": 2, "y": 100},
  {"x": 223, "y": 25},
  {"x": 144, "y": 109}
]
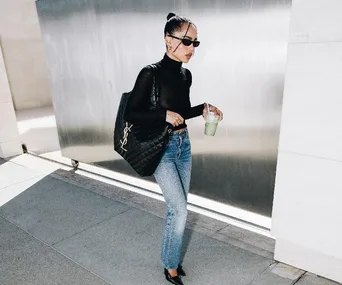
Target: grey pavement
[{"x": 64, "y": 228}]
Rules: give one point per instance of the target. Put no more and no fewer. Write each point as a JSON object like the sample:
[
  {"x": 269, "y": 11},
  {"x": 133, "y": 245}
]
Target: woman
[{"x": 174, "y": 170}]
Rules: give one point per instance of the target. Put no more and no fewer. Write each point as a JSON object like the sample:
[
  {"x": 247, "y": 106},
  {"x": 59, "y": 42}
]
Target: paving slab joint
[
  {"x": 57, "y": 251},
  {"x": 100, "y": 222},
  {"x": 300, "y": 277},
  {"x": 274, "y": 262}
]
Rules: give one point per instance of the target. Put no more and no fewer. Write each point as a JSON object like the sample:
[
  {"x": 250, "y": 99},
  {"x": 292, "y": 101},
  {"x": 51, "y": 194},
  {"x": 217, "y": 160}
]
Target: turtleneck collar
[{"x": 170, "y": 63}]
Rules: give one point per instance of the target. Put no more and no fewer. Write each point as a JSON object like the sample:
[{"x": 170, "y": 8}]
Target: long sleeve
[
  {"x": 137, "y": 111},
  {"x": 193, "y": 112}
]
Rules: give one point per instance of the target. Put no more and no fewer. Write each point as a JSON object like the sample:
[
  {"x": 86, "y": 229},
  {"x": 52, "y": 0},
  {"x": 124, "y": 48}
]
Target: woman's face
[{"x": 181, "y": 53}]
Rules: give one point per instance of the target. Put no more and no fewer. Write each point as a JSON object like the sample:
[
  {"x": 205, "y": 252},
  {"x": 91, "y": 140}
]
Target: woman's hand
[
  {"x": 174, "y": 118},
  {"x": 213, "y": 109}
]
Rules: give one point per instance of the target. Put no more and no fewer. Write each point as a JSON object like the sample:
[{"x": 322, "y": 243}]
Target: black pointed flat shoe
[
  {"x": 180, "y": 271},
  {"x": 174, "y": 280}
]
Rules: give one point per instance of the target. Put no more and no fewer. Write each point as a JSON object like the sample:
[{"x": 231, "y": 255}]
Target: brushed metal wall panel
[
  {"x": 96, "y": 49},
  {"x": 73, "y": 52}
]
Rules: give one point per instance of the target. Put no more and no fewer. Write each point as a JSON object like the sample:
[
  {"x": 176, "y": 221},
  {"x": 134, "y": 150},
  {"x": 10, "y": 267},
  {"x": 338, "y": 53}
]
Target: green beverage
[
  {"x": 211, "y": 123},
  {"x": 210, "y": 129}
]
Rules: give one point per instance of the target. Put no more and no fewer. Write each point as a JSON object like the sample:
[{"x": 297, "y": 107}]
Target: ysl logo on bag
[{"x": 123, "y": 142}]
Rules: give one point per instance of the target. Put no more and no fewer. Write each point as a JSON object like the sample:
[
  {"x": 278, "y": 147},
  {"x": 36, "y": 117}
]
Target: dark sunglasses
[{"x": 186, "y": 42}]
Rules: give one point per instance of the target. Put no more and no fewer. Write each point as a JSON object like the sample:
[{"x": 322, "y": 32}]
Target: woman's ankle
[{"x": 173, "y": 272}]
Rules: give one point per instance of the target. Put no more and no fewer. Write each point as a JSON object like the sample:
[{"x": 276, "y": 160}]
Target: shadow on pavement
[{"x": 248, "y": 183}]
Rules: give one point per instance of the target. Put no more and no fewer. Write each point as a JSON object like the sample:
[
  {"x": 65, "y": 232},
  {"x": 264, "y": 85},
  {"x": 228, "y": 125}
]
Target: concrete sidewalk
[{"x": 58, "y": 227}]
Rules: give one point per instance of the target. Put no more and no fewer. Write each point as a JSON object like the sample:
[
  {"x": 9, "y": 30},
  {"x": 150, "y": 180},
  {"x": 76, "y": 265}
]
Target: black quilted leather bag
[{"x": 141, "y": 147}]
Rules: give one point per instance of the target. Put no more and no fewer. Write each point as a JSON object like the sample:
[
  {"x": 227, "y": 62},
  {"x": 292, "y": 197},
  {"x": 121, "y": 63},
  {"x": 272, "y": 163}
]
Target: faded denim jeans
[{"x": 173, "y": 176}]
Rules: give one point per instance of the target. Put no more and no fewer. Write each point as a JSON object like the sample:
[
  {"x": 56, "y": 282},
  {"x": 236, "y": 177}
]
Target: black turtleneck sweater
[{"x": 174, "y": 83}]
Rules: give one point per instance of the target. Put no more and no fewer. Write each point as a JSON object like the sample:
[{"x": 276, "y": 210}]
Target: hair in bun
[
  {"x": 174, "y": 23},
  {"x": 170, "y": 15}
]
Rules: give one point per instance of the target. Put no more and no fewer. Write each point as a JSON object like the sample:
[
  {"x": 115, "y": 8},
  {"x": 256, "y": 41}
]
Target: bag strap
[{"x": 155, "y": 86}]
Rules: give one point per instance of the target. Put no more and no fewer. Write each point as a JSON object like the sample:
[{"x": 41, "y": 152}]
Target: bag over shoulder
[{"x": 141, "y": 146}]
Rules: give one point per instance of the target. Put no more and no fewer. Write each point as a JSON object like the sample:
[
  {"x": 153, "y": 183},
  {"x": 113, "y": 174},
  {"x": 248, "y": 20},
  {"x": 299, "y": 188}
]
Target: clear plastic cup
[{"x": 211, "y": 122}]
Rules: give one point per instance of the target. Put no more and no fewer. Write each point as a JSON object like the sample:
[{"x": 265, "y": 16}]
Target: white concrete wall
[
  {"x": 24, "y": 54},
  {"x": 9, "y": 136},
  {"x": 307, "y": 211}
]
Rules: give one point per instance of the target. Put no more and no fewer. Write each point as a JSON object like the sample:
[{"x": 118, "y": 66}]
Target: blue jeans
[{"x": 173, "y": 176}]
